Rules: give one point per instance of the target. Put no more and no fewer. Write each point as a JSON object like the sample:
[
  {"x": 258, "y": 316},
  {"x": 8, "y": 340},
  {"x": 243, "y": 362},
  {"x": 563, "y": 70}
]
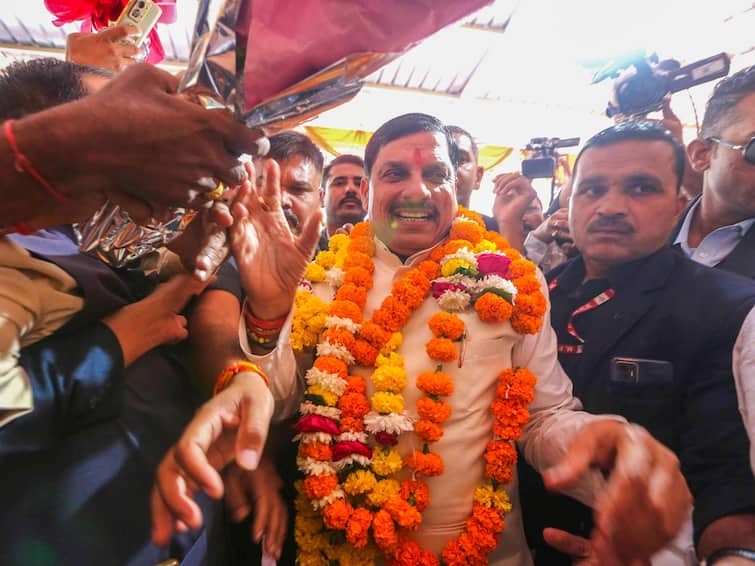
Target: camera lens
[
  {"x": 141, "y": 4},
  {"x": 135, "y": 13}
]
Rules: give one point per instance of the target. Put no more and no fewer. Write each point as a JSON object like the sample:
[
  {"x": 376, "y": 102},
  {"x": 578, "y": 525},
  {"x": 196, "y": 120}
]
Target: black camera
[
  {"x": 644, "y": 91},
  {"x": 543, "y": 156}
]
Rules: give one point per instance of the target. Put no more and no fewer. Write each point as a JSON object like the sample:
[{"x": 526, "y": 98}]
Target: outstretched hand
[
  {"x": 270, "y": 253},
  {"x": 232, "y": 426},
  {"x": 647, "y": 499}
]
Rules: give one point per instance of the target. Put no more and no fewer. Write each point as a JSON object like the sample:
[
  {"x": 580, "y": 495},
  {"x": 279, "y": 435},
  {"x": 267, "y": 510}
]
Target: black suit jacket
[
  {"x": 742, "y": 258},
  {"x": 685, "y": 318}
]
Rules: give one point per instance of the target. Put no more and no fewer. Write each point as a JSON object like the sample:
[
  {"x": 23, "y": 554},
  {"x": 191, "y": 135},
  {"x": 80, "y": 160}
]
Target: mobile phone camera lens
[
  {"x": 141, "y": 4},
  {"x": 136, "y": 13}
]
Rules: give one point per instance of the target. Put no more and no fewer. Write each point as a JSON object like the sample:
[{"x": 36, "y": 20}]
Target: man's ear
[
  {"x": 699, "y": 153},
  {"x": 322, "y": 197},
  {"x": 364, "y": 192},
  {"x": 478, "y": 180}
]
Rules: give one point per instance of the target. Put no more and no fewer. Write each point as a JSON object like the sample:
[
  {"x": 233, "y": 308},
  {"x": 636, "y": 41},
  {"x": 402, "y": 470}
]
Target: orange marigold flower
[
  {"x": 374, "y": 334},
  {"x": 441, "y": 350},
  {"x": 473, "y": 556},
  {"x": 408, "y": 294},
  {"x": 351, "y": 424},
  {"x": 475, "y": 217},
  {"x": 437, "y": 253},
  {"x": 356, "y": 384},
  {"x": 510, "y": 428},
  {"x": 526, "y": 284},
  {"x": 452, "y": 554},
  {"x": 361, "y": 245},
  {"x": 339, "y": 336},
  {"x": 354, "y": 405},
  {"x": 331, "y": 365},
  {"x": 488, "y": 518},
  {"x": 446, "y": 325},
  {"x": 526, "y": 324},
  {"x": 429, "y": 269},
  {"x": 316, "y": 450},
  {"x": 403, "y": 513},
  {"x": 501, "y": 459},
  {"x": 407, "y": 552},
  {"x": 350, "y": 292},
  {"x": 484, "y": 541},
  {"x": 392, "y": 314},
  {"x": 416, "y": 492},
  {"x": 467, "y": 231},
  {"x": 384, "y": 531},
  {"x": 492, "y": 308},
  {"x": 358, "y": 276},
  {"x": 417, "y": 277},
  {"x": 364, "y": 353},
  {"x": 453, "y": 246},
  {"x": 520, "y": 268},
  {"x": 533, "y": 304},
  {"x": 500, "y": 242},
  {"x": 361, "y": 230},
  {"x": 358, "y": 527},
  {"x": 335, "y": 515},
  {"x": 435, "y": 383},
  {"x": 517, "y": 384},
  {"x": 427, "y": 558},
  {"x": 428, "y": 431},
  {"x": 346, "y": 309},
  {"x": 435, "y": 411},
  {"x": 429, "y": 464},
  {"x": 358, "y": 259},
  {"x": 316, "y": 487},
  {"x": 513, "y": 253}
]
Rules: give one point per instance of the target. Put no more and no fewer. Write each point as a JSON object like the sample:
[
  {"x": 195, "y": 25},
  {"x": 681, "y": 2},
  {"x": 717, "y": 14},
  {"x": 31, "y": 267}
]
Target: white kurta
[{"x": 490, "y": 348}]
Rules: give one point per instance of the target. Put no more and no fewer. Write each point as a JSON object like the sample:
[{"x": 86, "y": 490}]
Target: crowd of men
[{"x": 116, "y": 451}]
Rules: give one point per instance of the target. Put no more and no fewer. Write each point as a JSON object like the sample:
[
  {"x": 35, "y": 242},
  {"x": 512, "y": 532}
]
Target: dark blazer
[
  {"x": 685, "y": 318},
  {"x": 742, "y": 258}
]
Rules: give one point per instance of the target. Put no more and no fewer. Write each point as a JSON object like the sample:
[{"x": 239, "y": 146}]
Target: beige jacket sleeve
[{"x": 36, "y": 298}]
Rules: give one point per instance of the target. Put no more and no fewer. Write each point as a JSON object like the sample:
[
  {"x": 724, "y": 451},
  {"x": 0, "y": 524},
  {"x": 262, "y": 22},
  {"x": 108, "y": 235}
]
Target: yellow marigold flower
[
  {"x": 341, "y": 257},
  {"x": 485, "y": 246},
  {"x": 331, "y": 399},
  {"x": 386, "y": 462},
  {"x": 317, "y": 322},
  {"x": 325, "y": 259},
  {"x": 450, "y": 267},
  {"x": 389, "y": 378},
  {"x": 353, "y": 556},
  {"x": 394, "y": 343},
  {"x": 338, "y": 242},
  {"x": 360, "y": 481},
  {"x": 383, "y": 491},
  {"x": 305, "y": 558},
  {"x": 384, "y": 402},
  {"x": 314, "y": 273},
  {"x": 498, "y": 499},
  {"x": 309, "y": 524},
  {"x": 390, "y": 359}
]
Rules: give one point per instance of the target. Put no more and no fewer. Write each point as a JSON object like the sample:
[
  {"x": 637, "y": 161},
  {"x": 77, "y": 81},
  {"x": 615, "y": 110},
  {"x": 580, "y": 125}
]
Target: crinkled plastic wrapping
[{"x": 276, "y": 64}]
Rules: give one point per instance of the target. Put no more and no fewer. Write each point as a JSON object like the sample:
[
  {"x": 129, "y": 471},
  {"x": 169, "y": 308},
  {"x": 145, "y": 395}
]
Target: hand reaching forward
[
  {"x": 232, "y": 426},
  {"x": 513, "y": 194},
  {"x": 108, "y": 49},
  {"x": 271, "y": 258},
  {"x": 647, "y": 499},
  {"x": 580, "y": 549}
]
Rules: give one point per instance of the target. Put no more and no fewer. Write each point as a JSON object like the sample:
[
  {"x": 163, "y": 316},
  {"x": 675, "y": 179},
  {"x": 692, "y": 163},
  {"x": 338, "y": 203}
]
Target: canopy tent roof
[{"x": 512, "y": 71}]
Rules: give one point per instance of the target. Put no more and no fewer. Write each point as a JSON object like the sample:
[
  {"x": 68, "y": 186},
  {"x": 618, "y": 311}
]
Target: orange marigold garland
[{"x": 474, "y": 268}]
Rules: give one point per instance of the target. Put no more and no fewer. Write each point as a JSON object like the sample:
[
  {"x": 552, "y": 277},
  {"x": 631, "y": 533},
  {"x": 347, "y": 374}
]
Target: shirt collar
[{"x": 683, "y": 236}]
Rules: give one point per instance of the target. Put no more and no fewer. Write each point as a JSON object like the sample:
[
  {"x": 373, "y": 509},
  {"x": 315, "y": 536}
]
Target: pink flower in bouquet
[
  {"x": 386, "y": 438},
  {"x": 440, "y": 287},
  {"x": 316, "y": 423},
  {"x": 348, "y": 447},
  {"x": 496, "y": 264}
]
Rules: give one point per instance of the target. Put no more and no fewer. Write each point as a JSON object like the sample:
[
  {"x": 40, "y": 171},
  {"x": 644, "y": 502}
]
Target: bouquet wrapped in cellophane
[{"x": 275, "y": 64}]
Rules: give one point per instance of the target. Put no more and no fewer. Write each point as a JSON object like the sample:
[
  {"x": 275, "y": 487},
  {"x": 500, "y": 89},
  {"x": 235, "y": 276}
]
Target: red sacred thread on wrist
[
  {"x": 276, "y": 324},
  {"x": 22, "y": 164},
  {"x": 264, "y": 333},
  {"x": 227, "y": 374},
  {"x": 22, "y": 228}
]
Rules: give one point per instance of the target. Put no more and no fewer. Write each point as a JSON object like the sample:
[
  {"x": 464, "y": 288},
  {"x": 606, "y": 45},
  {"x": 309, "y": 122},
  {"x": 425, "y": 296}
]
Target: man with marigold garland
[
  {"x": 647, "y": 333},
  {"x": 423, "y": 347}
]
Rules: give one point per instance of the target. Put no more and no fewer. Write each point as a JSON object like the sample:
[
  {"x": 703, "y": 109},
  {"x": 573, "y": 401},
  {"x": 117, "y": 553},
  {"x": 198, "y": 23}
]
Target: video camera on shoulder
[
  {"x": 542, "y": 158},
  {"x": 644, "y": 82}
]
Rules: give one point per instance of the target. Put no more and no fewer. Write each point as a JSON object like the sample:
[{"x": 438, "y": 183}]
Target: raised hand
[
  {"x": 271, "y": 256},
  {"x": 108, "y": 49},
  {"x": 647, "y": 499},
  {"x": 555, "y": 226},
  {"x": 513, "y": 194}
]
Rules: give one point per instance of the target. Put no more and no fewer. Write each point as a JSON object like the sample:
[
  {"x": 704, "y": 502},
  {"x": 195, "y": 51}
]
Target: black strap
[{"x": 724, "y": 552}]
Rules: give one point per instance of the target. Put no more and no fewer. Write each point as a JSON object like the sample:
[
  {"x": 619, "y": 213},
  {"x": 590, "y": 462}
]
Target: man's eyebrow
[{"x": 643, "y": 178}]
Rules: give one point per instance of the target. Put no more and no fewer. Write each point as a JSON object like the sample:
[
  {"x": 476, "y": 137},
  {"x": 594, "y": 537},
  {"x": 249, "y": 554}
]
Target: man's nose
[
  {"x": 613, "y": 202},
  {"x": 416, "y": 189}
]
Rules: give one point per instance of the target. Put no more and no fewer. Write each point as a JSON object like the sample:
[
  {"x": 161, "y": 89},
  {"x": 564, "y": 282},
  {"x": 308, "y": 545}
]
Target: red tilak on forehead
[{"x": 417, "y": 156}]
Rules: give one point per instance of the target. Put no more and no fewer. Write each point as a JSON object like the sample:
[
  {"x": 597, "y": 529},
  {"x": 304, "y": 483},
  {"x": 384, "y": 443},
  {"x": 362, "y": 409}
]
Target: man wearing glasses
[{"x": 717, "y": 228}]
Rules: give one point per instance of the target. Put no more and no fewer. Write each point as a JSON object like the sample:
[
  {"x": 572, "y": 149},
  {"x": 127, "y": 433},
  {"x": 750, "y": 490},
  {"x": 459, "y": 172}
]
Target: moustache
[
  {"x": 293, "y": 220},
  {"x": 350, "y": 197},
  {"x": 607, "y": 223}
]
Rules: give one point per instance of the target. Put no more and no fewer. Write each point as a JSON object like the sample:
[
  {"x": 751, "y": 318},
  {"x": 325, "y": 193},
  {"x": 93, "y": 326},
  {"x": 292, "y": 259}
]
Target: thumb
[
  {"x": 310, "y": 234},
  {"x": 256, "y": 412},
  {"x": 116, "y": 33},
  {"x": 576, "y": 462},
  {"x": 668, "y": 113}
]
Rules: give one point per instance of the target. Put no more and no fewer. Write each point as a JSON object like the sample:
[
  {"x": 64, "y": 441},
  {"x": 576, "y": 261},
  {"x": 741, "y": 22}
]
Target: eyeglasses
[{"x": 748, "y": 150}]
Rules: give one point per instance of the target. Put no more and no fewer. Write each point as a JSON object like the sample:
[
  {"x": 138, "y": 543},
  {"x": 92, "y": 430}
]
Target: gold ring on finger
[{"x": 216, "y": 193}]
